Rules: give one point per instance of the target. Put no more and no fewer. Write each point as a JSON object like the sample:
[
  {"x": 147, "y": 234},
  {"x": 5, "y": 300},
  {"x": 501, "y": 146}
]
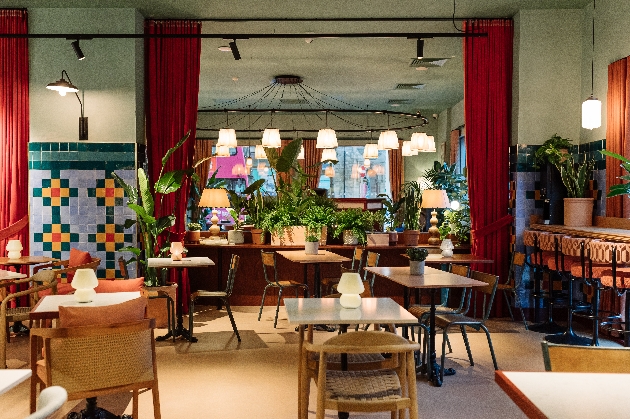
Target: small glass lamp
[
  {"x": 447, "y": 248},
  {"x": 84, "y": 282},
  {"x": 350, "y": 286},
  {"x": 177, "y": 248},
  {"x": 329, "y": 154},
  {"x": 214, "y": 198},
  {"x": 14, "y": 249},
  {"x": 434, "y": 198}
]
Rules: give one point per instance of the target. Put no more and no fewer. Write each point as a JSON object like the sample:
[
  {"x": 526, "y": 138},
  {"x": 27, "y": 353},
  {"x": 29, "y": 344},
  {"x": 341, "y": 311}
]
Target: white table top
[
  {"x": 11, "y": 275},
  {"x": 193, "y": 262},
  {"x": 567, "y": 394},
  {"x": 50, "y": 303},
  {"x": 329, "y": 311},
  {"x": 432, "y": 278},
  {"x": 11, "y": 378},
  {"x": 323, "y": 256}
]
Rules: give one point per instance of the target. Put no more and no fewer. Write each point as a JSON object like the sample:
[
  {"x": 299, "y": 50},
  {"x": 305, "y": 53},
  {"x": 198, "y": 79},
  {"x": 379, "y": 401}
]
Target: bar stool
[
  {"x": 550, "y": 246},
  {"x": 530, "y": 241},
  {"x": 573, "y": 254}
]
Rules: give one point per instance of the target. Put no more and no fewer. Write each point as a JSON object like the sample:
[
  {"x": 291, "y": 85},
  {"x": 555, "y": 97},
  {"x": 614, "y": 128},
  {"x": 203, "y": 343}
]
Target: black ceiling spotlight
[
  {"x": 420, "y": 49},
  {"x": 234, "y": 48},
  {"x": 77, "y": 50}
]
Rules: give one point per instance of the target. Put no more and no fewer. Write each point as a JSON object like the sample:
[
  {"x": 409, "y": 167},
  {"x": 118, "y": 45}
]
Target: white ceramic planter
[
  {"x": 349, "y": 238},
  {"x": 236, "y": 237},
  {"x": 311, "y": 248},
  {"x": 416, "y": 267}
]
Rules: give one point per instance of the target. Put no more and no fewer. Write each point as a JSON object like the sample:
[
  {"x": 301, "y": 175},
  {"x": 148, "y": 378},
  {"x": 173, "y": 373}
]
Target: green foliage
[
  {"x": 194, "y": 227},
  {"x": 417, "y": 253},
  {"x": 355, "y": 220},
  {"x": 575, "y": 176},
  {"x": 623, "y": 188},
  {"x": 552, "y": 151},
  {"x": 392, "y": 214},
  {"x": 411, "y": 194}
]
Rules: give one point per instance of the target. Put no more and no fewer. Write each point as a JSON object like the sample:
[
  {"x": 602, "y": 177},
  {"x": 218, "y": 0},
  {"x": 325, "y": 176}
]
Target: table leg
[
  {"x": 219, "y": 276},
  {"x": 179, "y": 328},
  {"x": 18, "y": 327},
  {"x": 434, "y": 367},
  {"x": 317, "y": 281},
  {"x": 306, "y": 277},
  {"x": 406, "y": 302},
  {"x": 91, "y": 411}
]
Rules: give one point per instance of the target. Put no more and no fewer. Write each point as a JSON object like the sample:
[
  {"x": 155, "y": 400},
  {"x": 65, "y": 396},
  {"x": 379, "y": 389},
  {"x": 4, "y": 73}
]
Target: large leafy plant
[
  {"x": 150, "y": 224},
  {"x": 412, "y": 199},
  {"x": 623, "y": 188},
  {"x": 391, "y": 212},
  {"x": 575, "y": 176},
  {"x": 355, "y": 220},
  {"x": 552, "y": 151}
]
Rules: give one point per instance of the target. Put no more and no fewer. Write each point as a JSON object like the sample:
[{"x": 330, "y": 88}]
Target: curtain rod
[
  {"x": 339, "y": 19},
  {"x": 85, "y": 36}
]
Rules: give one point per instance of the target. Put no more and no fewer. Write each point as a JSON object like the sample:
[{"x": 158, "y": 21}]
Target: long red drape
[
  {"x": 488, "y": 109},
  {"x": 14, "y": 125},
  {"x": 396, "y": 171},
  {"x": 171, "y": 98}
]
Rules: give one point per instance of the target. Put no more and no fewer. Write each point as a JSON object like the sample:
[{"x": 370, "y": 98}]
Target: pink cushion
[
  {"x": 77, "y": 258},
  {"x": 124, "y": 285},
  {"x": 62, "y": 289},
  {"x": 128, "y": 311}
]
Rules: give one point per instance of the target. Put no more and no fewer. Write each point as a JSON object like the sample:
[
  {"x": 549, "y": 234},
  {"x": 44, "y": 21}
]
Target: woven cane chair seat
[{"x": 366, "y": 386}]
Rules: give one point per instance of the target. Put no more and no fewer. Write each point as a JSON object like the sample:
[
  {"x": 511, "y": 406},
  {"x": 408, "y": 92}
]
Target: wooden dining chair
[
  {"x": 573, "y": 358},
  {"x": 327, "y": 283}
]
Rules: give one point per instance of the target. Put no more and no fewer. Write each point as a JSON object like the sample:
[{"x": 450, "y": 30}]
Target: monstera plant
[{"x": 151, "y": 225}]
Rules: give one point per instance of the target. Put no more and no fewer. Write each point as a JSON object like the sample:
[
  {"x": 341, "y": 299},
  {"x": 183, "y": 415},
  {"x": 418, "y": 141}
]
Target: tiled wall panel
[{"x": 76, "y": 203}]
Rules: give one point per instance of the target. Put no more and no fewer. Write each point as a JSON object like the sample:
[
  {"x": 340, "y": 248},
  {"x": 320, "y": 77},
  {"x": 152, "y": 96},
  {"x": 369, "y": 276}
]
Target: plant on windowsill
[
  {"x": 393, "y": 216},
  {"x": 352, "y": 223},
  {"x": 417, "y": 257},
  {"x": 193, "y": 233},
  {"x": 411, "y": 194}
]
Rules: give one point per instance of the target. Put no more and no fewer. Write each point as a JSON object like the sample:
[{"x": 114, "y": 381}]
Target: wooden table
[
  {"x": 567, "y": 395},
  {"x": 462, "y": 259},
  {"x": 602, "y": 233},
  {"x": 193, "y": 262},
  {"x": 11, "y": 275},
  {"x": 11, "y": 378},
  {"x": 48, "y": 306},
  {"x": 312, "y": 311},
  {"x": 323, "y": 256},
  {"x": 433, "y": 280}
]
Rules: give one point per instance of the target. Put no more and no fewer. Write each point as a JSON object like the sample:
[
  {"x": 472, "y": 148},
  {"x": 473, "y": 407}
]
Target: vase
[
  {"x": 311, "y": 248},
  {"x": 416, "y": 267},
  {"x": 393, "y": 238},
  {"x": 258, "y": 236},
  {"x": 350, "y": 238},
  {"x": 578, "y": 212},
  {"x": 236, "y": 237}
]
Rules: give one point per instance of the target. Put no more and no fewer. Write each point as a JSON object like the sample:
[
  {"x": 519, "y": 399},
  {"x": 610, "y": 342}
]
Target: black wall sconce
[{"x": 63, "y": 86}]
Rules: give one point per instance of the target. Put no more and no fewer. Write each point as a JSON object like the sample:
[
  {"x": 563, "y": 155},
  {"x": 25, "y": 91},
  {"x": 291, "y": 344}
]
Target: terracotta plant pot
[
  {"x": 193, "y": 236},
  {"x": 411, "y": 237},
  {"x": 578, "y": 212},
  {"x": 393, "y": 238},
  {"x": 258, "y": 236}
]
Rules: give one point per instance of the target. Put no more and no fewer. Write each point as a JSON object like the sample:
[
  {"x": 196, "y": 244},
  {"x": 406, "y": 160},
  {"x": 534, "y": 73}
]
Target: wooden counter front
[{"x": 602, "y": 233}]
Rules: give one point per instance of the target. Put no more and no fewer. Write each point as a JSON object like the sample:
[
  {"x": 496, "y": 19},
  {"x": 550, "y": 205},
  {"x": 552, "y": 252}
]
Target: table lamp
[
  {"x": 177, "y": 248},
  {"x": 434, "y": 198},
  {"x": 447, "y": 248},
  {"x": 14, "y": 249},
  {"x": 84, "y": 282},
  {"x": 350, "y": 286},
  {"x": 214, "y": 198}
]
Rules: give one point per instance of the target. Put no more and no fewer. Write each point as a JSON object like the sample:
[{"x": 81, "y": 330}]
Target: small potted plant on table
[
  {"x": 316, "y": 219},
  {"x": 193, "y": 233},
  {"x": 417, "y": 256}
]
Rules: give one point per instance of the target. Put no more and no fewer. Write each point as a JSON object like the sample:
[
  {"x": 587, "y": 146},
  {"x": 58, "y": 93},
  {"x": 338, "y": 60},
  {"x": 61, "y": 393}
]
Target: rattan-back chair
[
  {"x": 271, "y": 277},
  {"x": 573, "y": 358},
  {"x": 392, "y": 389},
  {"x": 89, "y": 361},
  {"x": 61, "y": 269},
  {"x": 327, "y": 284},
  {"x": 224, "y": 296},
  {"x": 40, "y": 281},
  {"x": 509, "y": 287}
]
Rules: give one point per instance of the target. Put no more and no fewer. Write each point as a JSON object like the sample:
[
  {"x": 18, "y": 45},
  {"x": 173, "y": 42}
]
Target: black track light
[
  {"x": 77, "y": 50},
  {"x": 420, "y": 49},
  {"x": 234, "y": 48}
]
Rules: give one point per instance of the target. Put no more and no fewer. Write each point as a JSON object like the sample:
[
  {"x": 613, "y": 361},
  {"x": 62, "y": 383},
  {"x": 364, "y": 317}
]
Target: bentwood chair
[
  {"x": 572, "y": 358},
  {"x": 509, "y": 287},
  {"x": 271, "y": 277},
  {"x": 355, "y": 266},
  {"x": 224, "y": 296},
  {"x": 63, "y": 268},
  {"x": 392, "y": 389}
]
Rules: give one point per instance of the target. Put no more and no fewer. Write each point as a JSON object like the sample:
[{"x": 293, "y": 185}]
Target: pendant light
[
  {"x": 406, "y": 149},
  {"x": 367, "y": 162},
  {"x": 389, "y": 138},
  {"x": 227, "y": 136},
  {"x": 271, "y": 136},
  {"x": 418, "y": 141},
  {"x": 430, "y": 148},
  {"x": 260, "y": 154},
  {"x": 326, "y": 137},
  {"x": 223, "y": 151},
  {"x": 592, "y": 107},
  {"x": 329, "y": 154},
  {"x": 370, "y": 151}
]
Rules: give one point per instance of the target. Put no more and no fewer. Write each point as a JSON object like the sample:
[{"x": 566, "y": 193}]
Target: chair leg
[
  {"x": 444, "y": 334},
  {"x": 494, "y": 358},
  {"x": 505, "y": 295},
  {"x": 448, "y": 343},
  {"x": 156, "y": 402},
  {"x": 170, "y": 303},
  {"x": 275, "y": 321},
  {"x": 262, "y": 303},
  {"x": 191, "y": 310},
  {"x": 229, "y": 310},
  {"x": 462, "y": 328},
  {"x": 134, "y": 409}
]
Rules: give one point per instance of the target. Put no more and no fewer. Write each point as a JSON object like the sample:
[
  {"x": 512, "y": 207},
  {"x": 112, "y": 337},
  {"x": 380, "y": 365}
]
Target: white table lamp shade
[
  {"x": 84, "y": 282},
  {"x": 177, "y": 248},
  {"x": 435, "y": 198},
  {"x": 14, "y": 249},
  {"x": 350, "y": 286}
]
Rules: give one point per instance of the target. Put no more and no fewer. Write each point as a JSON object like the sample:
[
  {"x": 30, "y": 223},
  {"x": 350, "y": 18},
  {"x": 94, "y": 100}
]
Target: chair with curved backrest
[
  {"x": 355, "y": 266},
  {"x": 573, "y": 358},
  {"x": 42, "y": 280},
  {"x": 271, "y": 277},
  {"x": 509, "y": 287},
  {"x": 89, "y": 361},
  {"x": 222, "y": 295},
  {"x": 392, "y": 389},
  {"x": 49, "y": 401},
  {"x": 65, "y": 271},
  {"x": 123, "y": 268}
]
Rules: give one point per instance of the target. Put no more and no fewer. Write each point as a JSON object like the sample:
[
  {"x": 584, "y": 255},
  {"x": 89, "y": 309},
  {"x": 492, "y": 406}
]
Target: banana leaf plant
[
  {"x": 151, "y": 225},
  {"x": 623, "y": 188},
  {"x": 575, "y": 176}
]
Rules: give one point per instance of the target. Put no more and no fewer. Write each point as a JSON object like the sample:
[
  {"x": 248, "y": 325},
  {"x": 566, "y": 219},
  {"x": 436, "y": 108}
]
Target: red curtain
[
  {"x": 488, "y": 109},
  {"x": 14, "y": 126},
  {"x": 396, "y": 171},
  {"x": 171, "y": 98},
  {"x": 617, "y": 132}
]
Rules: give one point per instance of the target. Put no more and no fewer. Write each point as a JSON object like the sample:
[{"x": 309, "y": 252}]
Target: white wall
[{"x": 110, "y": 77}]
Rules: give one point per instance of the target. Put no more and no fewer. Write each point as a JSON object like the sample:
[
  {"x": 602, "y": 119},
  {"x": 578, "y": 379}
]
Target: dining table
[
  {"x": 179, "y": 265},
  {"x": 433, "y": 280},
  {"x": 567, "y": 395},
  {"x": 10, "y": 378},
  {"x": 309, "y": 312},
  {"x": 322, "y": 256},
  {"x": 47, "y": 308},
  {"x": 11, "y": 275}
]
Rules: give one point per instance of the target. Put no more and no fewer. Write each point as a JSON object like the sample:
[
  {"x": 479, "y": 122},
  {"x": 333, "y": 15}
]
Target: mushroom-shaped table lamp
[
  {"x": 14, "y": 249},
  {"x": 350, "y": 286},
  {"x": 84, "y": 282}
]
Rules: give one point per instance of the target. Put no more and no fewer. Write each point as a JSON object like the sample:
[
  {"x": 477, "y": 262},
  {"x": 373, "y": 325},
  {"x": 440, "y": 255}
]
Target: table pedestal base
[
  {"x": 551, "y": 328},
  {"x": 18, "y": 328},
  {"x": 568, "y": 338},
  {"x": 179, "y": 331},
  {"x": 91, "y": 411}
]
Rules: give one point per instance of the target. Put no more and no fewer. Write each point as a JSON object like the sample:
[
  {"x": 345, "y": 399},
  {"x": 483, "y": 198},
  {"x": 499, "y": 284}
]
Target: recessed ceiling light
[
  {"x": 421, "y": 68},
  {"x": 234, "y": 78},
  {"x": 394, "y": 104},
  {"x": 225, "y": 48}
]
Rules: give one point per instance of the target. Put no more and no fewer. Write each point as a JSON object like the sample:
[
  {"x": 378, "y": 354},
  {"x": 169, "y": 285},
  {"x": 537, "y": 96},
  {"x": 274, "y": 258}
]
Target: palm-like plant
[{"x": 623, "y": 188}]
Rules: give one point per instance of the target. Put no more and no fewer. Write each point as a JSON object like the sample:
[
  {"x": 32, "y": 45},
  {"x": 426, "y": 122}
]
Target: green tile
[
  {"x": 65, "y": 202},
  {"x": 65, "y": 246},
  {"x": 47, "y": 247},
  {"x": 56, "y": 219},
  {"x": 128, "y": 238},
  {"x": 100, "y": 247},
  {"x": 46, "y": 202},
  {"x": 34, "y": 146},
  {"x": 109, "y": 219},
  {"x": 74, "y": 237},
  {"x": 100, "y": 202},
  {"x": 91, "y": 238},
  {"x": 56, "y": 254},
  {"x": 119, "y": 228},
  {"x": 74, "y": 192},
  {"x": 65, "y": 228},
  {"x": 72, "y": 146},
  {"x": 38, "y": 237},
  {"x": 54, "y": 146},
  {"x": 100, "y": 228},
  {"x": 110, "y": 264},
  {"x": 47, "y": 228},
  {"x": 45, "y": 147},
  {"x": 529, "y": 194},
  {"x": 63, "y": 146},
  {"x": 37, "y": 192},
  {"x": 46, "y": 183}
]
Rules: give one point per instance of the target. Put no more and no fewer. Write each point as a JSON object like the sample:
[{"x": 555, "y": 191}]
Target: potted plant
[
  {"x": 316, "y": 220},
  {"x": 623, "y": 188},
  {"x": 552, "y": 151},
  {"x": 578, "y": 210},
  {"x": 240, "y": 207},
  {"x": 352, "y": 223},
  {"x": 236, "y": 235},
  {"x": 392, "y": 217},
  {"x": 193, "y": 233},
  {"x": 417, "y": 256},
  {"x": 376, "y": 236},
  {"x": 412, "y": 199}
]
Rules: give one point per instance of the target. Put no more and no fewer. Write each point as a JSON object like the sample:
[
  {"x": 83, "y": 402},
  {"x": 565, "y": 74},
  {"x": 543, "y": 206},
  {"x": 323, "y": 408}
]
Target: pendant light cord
[{"x": 593, "y": 54}]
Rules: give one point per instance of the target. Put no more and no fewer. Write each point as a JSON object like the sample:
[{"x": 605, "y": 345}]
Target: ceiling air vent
[
  {"x": 400, "y": 101},
  {"x": 428, "y": 62},
  {"x": 294, "y": 101},
  {"x": 409, "y": 86}
]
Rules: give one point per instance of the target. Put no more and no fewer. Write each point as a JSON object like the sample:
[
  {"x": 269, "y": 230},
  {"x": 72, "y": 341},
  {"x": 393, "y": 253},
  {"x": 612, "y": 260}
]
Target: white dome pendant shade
[
  {"x": 301, "y": 154},
  {"x": 591, "y": 113},
  {"x": 418, "y": 141},
  {"x": 326, "y": 138},
  {"x": 406, "y": 149},
  {"x": 260, "y": 154},
  {"x": 430, "y": 144},
  {"x": 329, "y": 154},
  {"x": 223, "y": 151},
  {"x": 227, "y": 137},
  {"x": 390, "y": 140},
  {"x": 370, "y": 151},
  {"x": 271, "y": 138}
]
